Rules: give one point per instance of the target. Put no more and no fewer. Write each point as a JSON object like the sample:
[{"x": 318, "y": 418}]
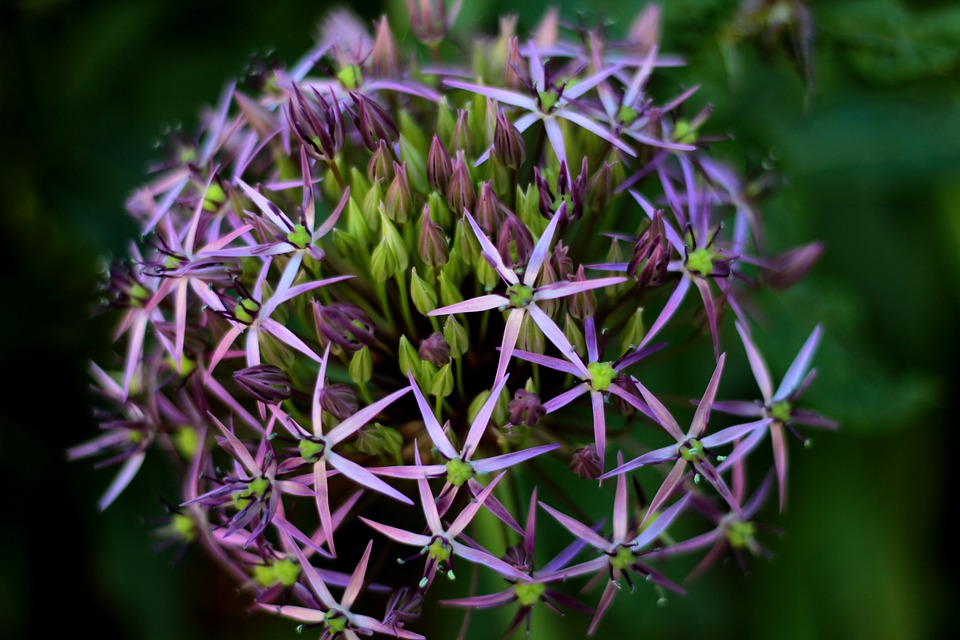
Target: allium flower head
[{"x": 367, "y": 310}]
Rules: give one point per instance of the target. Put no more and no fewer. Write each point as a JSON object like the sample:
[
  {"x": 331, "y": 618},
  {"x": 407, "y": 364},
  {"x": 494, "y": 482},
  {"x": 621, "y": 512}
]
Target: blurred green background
[{"x": 870, "y": 155}]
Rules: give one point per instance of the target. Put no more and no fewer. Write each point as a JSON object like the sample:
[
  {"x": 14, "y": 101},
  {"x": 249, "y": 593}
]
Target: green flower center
[
  {"x": 350, "y": 76},
  {"x": 336, "y": 621},
  {"x": 285, "y": 572},
  {"x": 311, "y": 449},
  {"x": 138, "y": 295},
  {"x": 187, "y": 441},
  {"x": 439, "y": 551},
  {"x": 623, "y": 559},
  {"x": 691, "y": 450},
  {"x": 528, "y": 593},
  {"x": 700, "y": 261},
  {"x": 548, "y": 100},
  {"x": 740, "y": 533},
  {"x": 684, "y": 133},
  {"x": 214, "y": 197},
  {"x": 458, "y": 472},
  {"x": 626, "y": 114},
  {"x": 246, "y": 311},
  {"x": 184, "y": 527},
  {"x": 520, "y": 295},
  {"x": 601, "y": 375},
  {"x": 781, "y": 412},
  {"x": 299, "y": 237},
  {"x": 254, "y": 491}
]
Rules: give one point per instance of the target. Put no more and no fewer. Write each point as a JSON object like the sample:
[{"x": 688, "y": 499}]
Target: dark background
[{"x": 871, "y": 161}]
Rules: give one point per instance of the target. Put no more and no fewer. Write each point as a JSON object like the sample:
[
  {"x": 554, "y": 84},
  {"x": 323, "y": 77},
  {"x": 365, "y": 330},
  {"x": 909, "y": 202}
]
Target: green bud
[
  {"x": 442, "y": 384},
  {"x": 445, "y": 121},
  {"x": 531, "y": 338},
  {"x": 439, "y": 211},
  {"x": 361, "y": 365},
  {"x": 456, "y": 337},
  {"x": 486, "y": 274},
  {"x": 371, "y": 207},
  {"x": 345, "y": 244},
  {"x": 465, "y": 243},
  {"x": 476, "y": 404},
  {"x": 379, "y": 440},
  {"x": 635, "y": 330},
  {"x": 528, "y": 209},
  {"x": 449, "y": 293},
  {"x": 357, "y": 225},
  {"x": 416, "y": 163},
  {"x": 359, "y": 185},
  {"x": 390, "y": 257},
  {"x": 409, "y": 358},
  {"x": 422, "y": 293},
  {"x": 573, "y": 333}
]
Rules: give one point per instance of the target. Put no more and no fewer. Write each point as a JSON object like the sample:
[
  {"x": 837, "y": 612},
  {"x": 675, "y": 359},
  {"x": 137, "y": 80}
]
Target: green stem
[{"x": 401, "y": 278}]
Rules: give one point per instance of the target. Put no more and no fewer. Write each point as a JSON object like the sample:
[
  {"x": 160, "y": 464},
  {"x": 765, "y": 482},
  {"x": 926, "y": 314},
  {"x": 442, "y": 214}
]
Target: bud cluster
[{"x": 378, "y": 297}]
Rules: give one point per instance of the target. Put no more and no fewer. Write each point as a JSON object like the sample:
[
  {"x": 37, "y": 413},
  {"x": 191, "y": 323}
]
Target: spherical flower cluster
[{"x": 379, "y": 297}]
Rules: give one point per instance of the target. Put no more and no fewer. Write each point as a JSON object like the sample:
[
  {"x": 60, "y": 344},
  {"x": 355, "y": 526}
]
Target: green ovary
[
  {"x": 691, "y": 450},
  {"x": 623, "y": 559},
  {"x": 299, "y": 237},
  {"x": 439, "y": 551},
  {"x": 781, "y": 412},
  {"x": 548, "y": 99},
  {"x": 255, "y": 490},
  {"x": 601, "y": 375},
  {"x": 350, "y": 76},
  {"x": 458, "y": 472},
  {"x": 311, "y": 450},
  {"x": 336, "y": 622},
  {"x": 529, "y": 593},
  {"x": 184, "y": 526},
  {"x": 246, "y": 311},
  {"x": 214, "y": 197},
  {"x": 627, "y": 114},
  {"x": 285, "y": 572},
  {"x": 740, "y": 533},
  {"x": 700, "y": 261},
  {"x": 520, "y": 295}
]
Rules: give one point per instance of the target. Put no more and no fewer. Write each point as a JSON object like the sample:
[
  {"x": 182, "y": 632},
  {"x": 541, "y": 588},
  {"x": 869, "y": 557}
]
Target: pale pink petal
[
  {"x": 700, "y": 418},
  {"x": 798, "y": 368},
  {"x": 479, "y": 426},
  {"x": 480, "y": 303},
  {"x": 437, "y": 435}
]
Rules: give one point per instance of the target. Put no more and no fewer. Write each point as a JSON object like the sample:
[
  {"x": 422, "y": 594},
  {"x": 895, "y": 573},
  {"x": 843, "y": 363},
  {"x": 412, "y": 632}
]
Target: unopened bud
[
  {"x": 439, "y": 166},
  {"x": 265, "y": 382},
  {"x": 508, "y": 143},
  {"x": 461, "y": 194},
  {"x": 584, "y": 303},
  {"x": 456, "y": 337},
  {"x": 422, "y": 294},
  {"x": 432, "y": 242},
  {"x": 586, "y": 463},
  {"x": 525, "y": 408},
  {"x": 461, "y": 133},
  {"x": 378, "y": 169},
  {"x": 361, "y": 367},
  {"x": 385, "y": 57},
  {"x": 514, "y": 241},
  {"x": 344, "y": 324},
  {"x": 435, "y": 349},
  {"x": 399, "y": 201},
  {"x": 489, "y": 211},
  {"x": 339, "y": 400}
]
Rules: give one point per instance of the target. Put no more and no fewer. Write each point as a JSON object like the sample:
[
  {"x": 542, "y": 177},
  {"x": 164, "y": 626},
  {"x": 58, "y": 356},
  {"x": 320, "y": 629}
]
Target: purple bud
[
  {"x": 508, "y": 143},
  {"x": 319, "y": 128},
  {"x": 578, "y": 194},
  {"x": 265, "y": 382},
  {"x": 439, "y": 166},
  {"x": 600, "y": 188},
  {"x": 489, "y": 212},
  {"x": 435, "y": 349},
  {"x": 515, "y": 69},
  {"x": 586, "y": 463},
  {"x": 460, "y": 192},
  {"x": 385, "y": 57},
  {"x": 432, "y": 242},
  {"x": 546, "y": 195},
  {"x": 344, "y": 324},
  {"x": 399, "y": 200},
  {"x": 339, "y": 400},
  {"x": 788, "y": 267},
  {"x": 429, "y": 21},
  {"x": 561, "y": 261},
  {"x": 378, "y": 169},
  {"x": 373, "y": 122},
  {"x": 651, "y": 255},
  {"x": 514, "y": 241},
  {"x": 583, "y": 304},
  {"x": 525, "y": 408},
  {"x": 461, "y": 132}
]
